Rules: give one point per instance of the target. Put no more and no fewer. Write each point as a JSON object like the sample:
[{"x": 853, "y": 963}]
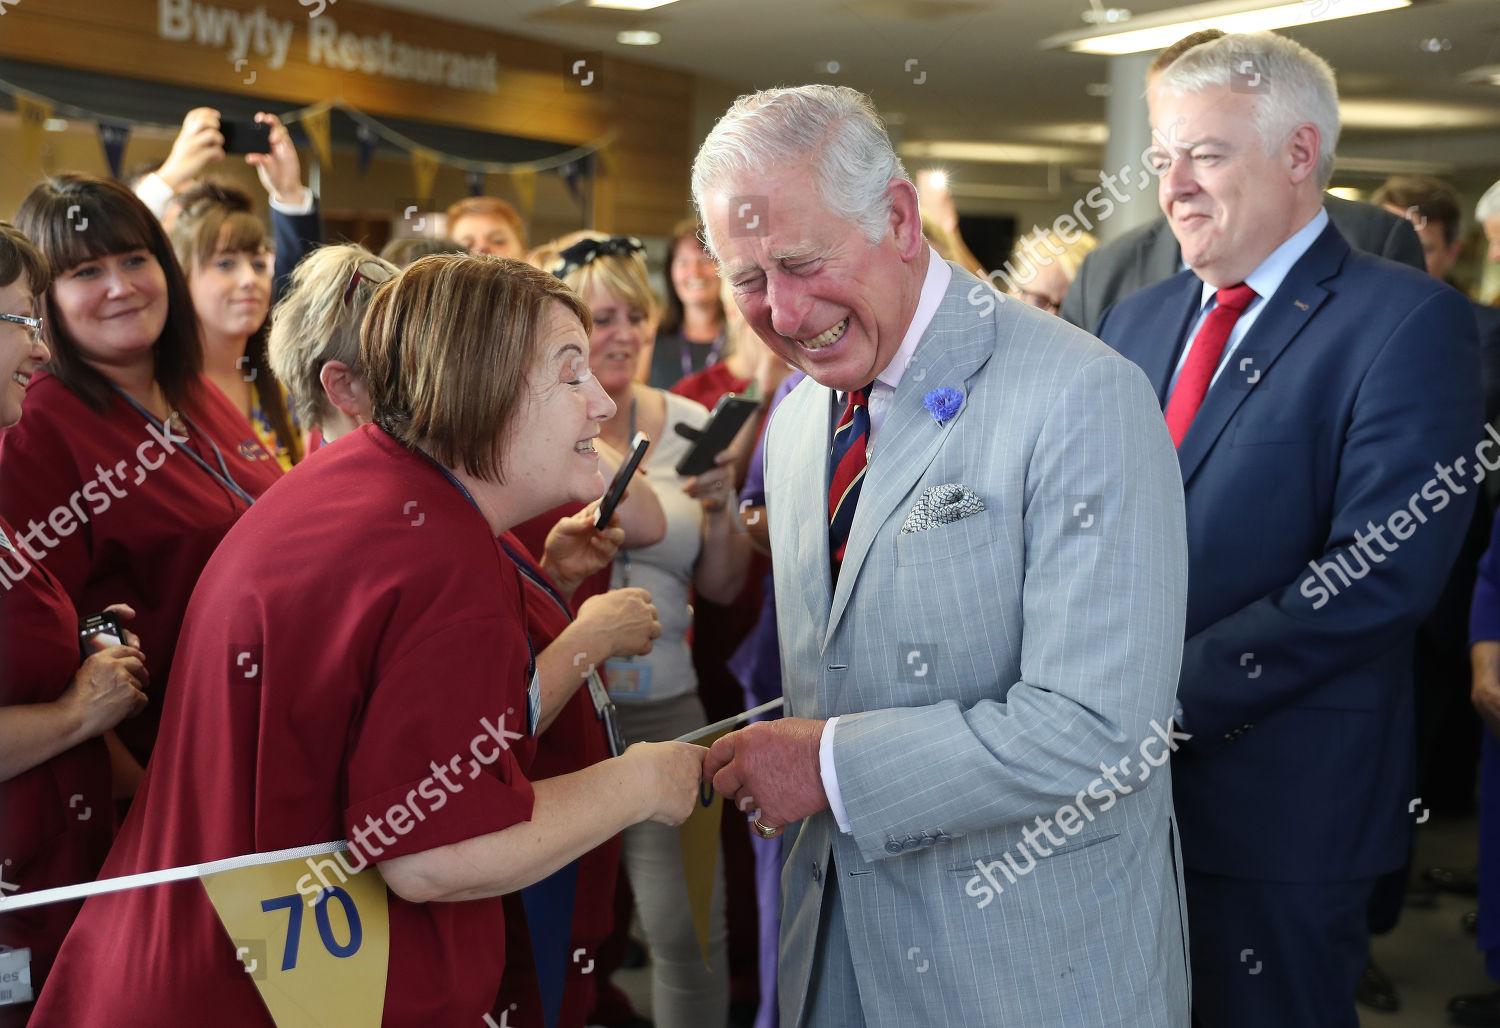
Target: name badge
[
  {"x": 15, "y": 976},
  {"x": 628, "y": 680}
]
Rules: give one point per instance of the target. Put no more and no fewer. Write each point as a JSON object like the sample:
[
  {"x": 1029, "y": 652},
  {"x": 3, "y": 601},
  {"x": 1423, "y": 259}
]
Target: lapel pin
[{"x": 1300, "y": 305}]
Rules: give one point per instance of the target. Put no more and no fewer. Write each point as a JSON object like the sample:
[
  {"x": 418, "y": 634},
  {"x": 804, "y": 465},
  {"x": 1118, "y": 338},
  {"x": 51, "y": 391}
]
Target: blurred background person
[
  {"x": 125, "y": 382},
  {"x": 691, "y": 334},
  {"x": 940, "y": 221},
  {"x": 402, "y": 252},
  {"x": 747, "y": 368},
  {"x": 484, "y": 413},
  {"x": 1487, "y": 211},
  {"x": 296, "y": 223},
  {"x": 1045, "y": 280},
  {"x": 56, "y": 820},
  {"x": 225, "y": 253},
  {"x": 487, "y": 225},
  {"x": 705, "y": 552}
]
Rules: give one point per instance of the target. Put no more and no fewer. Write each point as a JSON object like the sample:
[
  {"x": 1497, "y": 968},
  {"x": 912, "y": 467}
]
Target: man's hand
[
  {"x": 575, "y": 549},
  {"x": 625, "y": 620},
  {"x": 1485, "y": 693},
  {"x": 280, "y": 171},
  {"x": 770, "y": 769},
  {"x": 197, "y": 146}
]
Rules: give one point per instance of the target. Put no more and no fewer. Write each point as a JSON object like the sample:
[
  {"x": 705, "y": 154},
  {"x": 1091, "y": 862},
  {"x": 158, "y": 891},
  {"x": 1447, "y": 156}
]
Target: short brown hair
[
  {"x": 490, "y": 206},
  {"x": 1432, "y": 198},
  {"x": 1182, "y": 46},
  {"x": 116, "y": 222},
  {"x": 448, "y": 348},
  {"x": 19, "y": 256}
]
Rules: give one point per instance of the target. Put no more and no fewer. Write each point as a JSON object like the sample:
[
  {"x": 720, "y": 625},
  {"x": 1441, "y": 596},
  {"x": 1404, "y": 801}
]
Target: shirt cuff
[
  {"x": 831, "y": 778},
  {"x": 154, "y": 192},
  {"x": 304, "y": 204}
]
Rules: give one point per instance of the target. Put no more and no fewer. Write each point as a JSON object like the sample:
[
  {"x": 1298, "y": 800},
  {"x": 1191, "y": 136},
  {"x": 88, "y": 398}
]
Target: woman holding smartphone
[
  {"x": 387, "y": 642},
  {"x": 705, "y": 552},
  {"x": 56, "y": 821},
  {"x": 130, "y": 462}
]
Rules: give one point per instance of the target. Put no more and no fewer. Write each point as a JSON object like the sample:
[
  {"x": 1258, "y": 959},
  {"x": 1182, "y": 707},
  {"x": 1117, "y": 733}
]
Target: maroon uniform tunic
[{"x": 355, "y": 643}]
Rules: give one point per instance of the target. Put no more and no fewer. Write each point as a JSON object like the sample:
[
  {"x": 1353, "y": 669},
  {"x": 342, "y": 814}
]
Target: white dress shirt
[
  {"x": 1265, "y": 280},
  {"x": 882, "y": 394}
]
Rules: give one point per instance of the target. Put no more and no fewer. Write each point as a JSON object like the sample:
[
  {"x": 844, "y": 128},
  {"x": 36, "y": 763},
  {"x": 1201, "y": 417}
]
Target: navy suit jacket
[
  {"x": 297, "y": 235},
  {"x": 1357, "y": 377}
]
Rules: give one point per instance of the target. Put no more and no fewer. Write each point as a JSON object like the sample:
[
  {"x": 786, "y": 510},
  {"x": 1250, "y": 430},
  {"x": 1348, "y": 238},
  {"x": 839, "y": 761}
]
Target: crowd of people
[{"x": 339, "y": 513}]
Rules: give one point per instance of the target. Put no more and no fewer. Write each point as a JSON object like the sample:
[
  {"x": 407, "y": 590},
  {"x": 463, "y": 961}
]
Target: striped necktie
[{"x": 846, "y": 471}]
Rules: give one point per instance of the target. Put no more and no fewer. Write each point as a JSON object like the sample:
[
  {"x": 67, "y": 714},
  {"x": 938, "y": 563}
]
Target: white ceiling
[{"x": 987, "y": 81}]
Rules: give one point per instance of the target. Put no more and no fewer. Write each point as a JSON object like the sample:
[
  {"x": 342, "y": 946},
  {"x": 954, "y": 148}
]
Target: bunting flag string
[{"x": 35, "y": 110}]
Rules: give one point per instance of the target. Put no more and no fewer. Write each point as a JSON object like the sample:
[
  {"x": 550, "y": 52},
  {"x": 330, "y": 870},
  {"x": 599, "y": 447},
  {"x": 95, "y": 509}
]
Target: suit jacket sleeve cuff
[
  {"x": 831, "y": 778},
  {"x": 304, "y": 204},
  {"x": 154, "y": 192}
]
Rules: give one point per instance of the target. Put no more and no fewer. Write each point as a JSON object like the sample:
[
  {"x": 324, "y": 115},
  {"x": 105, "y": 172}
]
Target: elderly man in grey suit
[{"x": 978, "y": 539}]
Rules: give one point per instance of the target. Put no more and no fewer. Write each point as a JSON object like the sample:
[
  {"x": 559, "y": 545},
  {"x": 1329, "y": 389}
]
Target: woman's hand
[
  {"x": 714, "y": 489},
  {"x": 107, "y": 688},
  {"x": 280, "y": 171},
  {"x": 670, "y": 774},
  {"x": 625, "y": 620},
  {"x": 197, "y": 146},
  {"x": 575, "y": 549}
]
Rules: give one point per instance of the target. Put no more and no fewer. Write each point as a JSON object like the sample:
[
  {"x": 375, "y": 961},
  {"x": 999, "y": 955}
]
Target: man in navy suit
[{"x": 1326, "y": 408}]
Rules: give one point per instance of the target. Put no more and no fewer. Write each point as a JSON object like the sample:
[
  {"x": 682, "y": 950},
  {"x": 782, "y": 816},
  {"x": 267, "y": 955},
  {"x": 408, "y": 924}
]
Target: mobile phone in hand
[
  {"x": 616, "y": 491},
  {"x": 98, "y": 632},
  {"x": 724, "y": 423},
  {"x": 245, "y": 136}
]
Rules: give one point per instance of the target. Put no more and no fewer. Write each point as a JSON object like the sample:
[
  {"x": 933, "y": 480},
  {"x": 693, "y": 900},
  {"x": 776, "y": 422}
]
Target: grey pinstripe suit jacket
[{"x": 985, "y": 672}]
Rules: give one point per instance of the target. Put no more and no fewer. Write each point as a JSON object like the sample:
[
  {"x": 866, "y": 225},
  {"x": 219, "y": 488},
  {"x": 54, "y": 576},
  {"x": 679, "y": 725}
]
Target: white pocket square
[{"x": 942, "y": 505}]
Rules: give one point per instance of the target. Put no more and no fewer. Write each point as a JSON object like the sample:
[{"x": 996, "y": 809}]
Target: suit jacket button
[
  {"x": 892, "y": 846},
  {"x": 927, "y": 839},
  {"x": 910, "y": 844},
  {"x": 943, "y": 837}
]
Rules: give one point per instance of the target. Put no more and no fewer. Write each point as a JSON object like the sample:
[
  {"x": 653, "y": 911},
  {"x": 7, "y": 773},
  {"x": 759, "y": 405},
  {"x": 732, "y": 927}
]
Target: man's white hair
[
  {"x": 1292, "y": 85},
  {"x": 1489, "y": 204},
  {"x": 834, "y": 128}
]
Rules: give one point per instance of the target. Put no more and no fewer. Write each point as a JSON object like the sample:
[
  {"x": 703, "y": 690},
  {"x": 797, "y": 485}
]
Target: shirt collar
[
  {"x": 934, "y": 287},
  {"x": 1267, "y": 278}
]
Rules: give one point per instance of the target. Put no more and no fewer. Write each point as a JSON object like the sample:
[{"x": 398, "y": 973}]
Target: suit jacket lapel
[
  {"x": 1286, "y": 312},
  {"x": 950, "y": 352}
]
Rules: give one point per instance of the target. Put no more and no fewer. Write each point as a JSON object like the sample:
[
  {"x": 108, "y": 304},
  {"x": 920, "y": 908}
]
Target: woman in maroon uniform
[
  {"x": 130, "y": 466},
  {"x": 55, "y": 816},
  {"x": 387, "y": 639}
]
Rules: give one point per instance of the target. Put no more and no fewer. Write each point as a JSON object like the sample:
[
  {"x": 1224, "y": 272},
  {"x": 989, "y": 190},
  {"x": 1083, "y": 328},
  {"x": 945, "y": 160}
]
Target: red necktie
[
  {"x": 1203, "y": 359},
  {"x": 846, "y": 460}
]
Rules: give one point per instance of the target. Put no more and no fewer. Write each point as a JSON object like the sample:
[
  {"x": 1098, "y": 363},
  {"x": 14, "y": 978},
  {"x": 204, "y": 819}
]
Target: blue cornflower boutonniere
[{"x": 943, "y": 404}]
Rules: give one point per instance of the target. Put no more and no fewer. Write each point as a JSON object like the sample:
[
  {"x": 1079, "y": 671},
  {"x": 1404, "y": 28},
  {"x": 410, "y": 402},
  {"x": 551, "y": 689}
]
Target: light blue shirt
[{"x": 1265, "y": 280}]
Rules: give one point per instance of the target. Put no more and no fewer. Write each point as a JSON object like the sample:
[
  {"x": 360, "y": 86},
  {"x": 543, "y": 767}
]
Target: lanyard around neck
[
  {"x": 464, "y": 492},
  {"x": 222, "y": 476},
  {"x": 686, "y": 353}
]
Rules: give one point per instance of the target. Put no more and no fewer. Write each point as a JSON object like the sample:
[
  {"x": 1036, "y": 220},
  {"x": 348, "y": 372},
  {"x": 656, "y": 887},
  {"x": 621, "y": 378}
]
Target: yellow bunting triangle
[
  {"x": 424, "y": 169},
  {"x": 699, "y": 839},
  {"x": 525, "y": 183},
  {"x": 33, "y": 115},
  {"x": 317, "y": 966},
  {"x": 318, "y": 129}
]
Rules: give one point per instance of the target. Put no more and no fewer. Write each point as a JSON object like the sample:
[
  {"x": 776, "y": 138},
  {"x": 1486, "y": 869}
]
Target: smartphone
[
  {"x": 245, "y": 136},
  {"x": 98, "y": 632},
  {"x": 616, "y": 491},
  {"x": 724, "y": 423}
]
